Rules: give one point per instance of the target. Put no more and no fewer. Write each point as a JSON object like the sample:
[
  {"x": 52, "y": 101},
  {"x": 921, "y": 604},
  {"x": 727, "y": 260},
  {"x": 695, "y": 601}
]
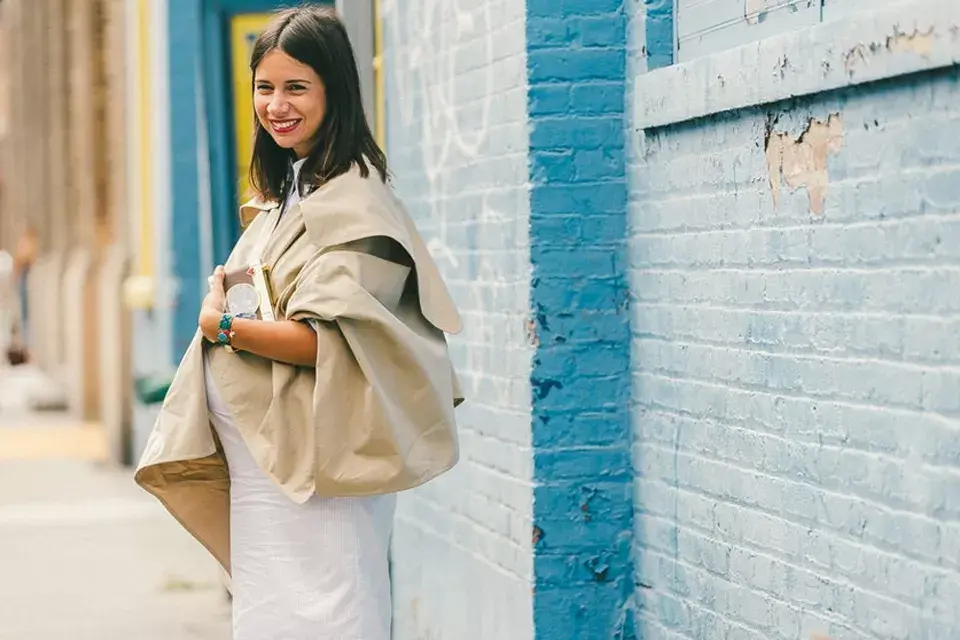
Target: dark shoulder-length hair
[{"x": 314, "y": 36}]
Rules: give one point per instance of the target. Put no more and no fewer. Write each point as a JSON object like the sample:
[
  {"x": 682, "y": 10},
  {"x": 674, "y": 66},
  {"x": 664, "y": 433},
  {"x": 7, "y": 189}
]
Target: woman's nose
[{"x": 277, "y": 107}]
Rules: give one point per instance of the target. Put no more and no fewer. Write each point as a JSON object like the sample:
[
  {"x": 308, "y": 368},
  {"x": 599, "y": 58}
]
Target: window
[{"x": 706, "y": 26}]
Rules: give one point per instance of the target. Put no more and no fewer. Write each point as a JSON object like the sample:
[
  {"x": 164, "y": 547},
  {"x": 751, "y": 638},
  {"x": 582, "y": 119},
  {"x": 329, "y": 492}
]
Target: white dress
[{"x": 316, "y": 571}]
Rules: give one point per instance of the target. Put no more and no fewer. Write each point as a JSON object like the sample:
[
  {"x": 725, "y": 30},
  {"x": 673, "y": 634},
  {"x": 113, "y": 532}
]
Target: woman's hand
[
  {"x": 286, "y": 341},
  {"x": 211, "y": 310}
]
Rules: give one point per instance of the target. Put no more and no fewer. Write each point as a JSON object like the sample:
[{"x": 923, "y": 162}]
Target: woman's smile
[{"x": 284, "y": 127}]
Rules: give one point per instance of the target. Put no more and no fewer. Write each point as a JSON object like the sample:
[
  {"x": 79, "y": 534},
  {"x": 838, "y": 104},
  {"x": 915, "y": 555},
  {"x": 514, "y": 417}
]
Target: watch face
[{"x": 243, "y": 299}]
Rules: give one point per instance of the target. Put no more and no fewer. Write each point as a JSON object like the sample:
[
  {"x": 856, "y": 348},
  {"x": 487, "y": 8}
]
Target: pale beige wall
[{"x": 62, "y": 114}]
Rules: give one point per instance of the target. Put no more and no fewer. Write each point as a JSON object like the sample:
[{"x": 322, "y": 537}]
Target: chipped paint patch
[
  {"x": 537, "y": 535},
  {"x": 918, "y": 42},
  {"x": 922, "y": 35},
  {"x": 754, "y": 11},
  {"x": 802, "y": 161},
  {"x": 530, "y": 331}
]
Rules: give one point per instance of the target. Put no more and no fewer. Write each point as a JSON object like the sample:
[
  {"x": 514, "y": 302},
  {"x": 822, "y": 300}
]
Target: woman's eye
[
  {"x": 263, "y": 88},
  {"x": 297, "y": 87}
]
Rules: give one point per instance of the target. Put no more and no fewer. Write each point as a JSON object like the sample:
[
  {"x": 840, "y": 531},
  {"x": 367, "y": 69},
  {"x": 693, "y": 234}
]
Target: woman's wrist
[{"x": 210, "y": 322}]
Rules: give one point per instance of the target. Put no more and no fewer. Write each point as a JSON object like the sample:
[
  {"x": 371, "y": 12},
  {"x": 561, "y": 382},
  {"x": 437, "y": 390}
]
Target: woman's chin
[{"x": 285, "y": 142}]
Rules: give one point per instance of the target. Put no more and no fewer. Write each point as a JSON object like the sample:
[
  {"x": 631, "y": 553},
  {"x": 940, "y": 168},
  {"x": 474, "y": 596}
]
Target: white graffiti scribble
[
  {"x": 429, "y": 36},
  {"x": 442, "y": 66}
]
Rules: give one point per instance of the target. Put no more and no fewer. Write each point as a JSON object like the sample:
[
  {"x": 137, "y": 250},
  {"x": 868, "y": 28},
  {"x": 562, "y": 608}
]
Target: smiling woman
[{"x": 293, "y": 421}]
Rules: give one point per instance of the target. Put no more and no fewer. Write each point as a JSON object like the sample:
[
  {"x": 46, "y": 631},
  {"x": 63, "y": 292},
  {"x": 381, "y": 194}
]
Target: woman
[{"x": 290, "y": 426}]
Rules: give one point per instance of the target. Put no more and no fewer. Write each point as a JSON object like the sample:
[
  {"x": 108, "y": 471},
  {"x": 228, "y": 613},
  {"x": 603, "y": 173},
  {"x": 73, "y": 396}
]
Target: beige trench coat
[{"x": 375, "y": 415}]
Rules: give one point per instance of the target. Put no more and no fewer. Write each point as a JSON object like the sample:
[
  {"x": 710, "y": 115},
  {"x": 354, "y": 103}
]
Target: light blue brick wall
[
  {"x": 794, "y": 412},
  {"x": 796, "y": 380},
  {"x": 457, "y": 145}
]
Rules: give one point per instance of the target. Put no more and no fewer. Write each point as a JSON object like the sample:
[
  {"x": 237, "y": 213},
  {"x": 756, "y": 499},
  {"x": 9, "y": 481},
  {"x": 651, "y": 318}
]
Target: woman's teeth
[{"x": 284, "y": 126}]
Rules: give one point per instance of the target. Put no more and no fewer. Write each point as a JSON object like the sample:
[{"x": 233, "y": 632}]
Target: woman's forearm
[{"x": 284, "y": 340}]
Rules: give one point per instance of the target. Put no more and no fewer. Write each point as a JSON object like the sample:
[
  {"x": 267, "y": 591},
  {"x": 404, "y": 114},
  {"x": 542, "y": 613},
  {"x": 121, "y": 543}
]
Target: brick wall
[
  {"x": 796, "y": 342},
  {"x": 457, "y": 144},
  {"x": 792, "y": 332},
  {"x": 581, "y": 374}
]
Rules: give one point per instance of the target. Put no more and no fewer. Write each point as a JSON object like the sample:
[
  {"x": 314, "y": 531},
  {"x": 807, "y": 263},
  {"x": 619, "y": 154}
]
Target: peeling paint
[
  {"x": 599, "y": 570},
  {"x": 537, "y": 535},
  {"x": 783, "y": 64},
  {"x": 530, "y": 329},
  {"x": 802, "y": 162},
  {"x": 854, "y": 56},
  {"x": 542, "y": 388},
  {"x": 918, "y": 42},
  {"x": 587, "y": 494},
  {"x": 754, "y": 11},
  {"x": 542, "y": 317}
]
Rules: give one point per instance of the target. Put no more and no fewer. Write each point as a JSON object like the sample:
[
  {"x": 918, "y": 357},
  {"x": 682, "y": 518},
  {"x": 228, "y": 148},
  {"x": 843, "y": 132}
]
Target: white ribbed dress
[{"x": 316, "y": 571}]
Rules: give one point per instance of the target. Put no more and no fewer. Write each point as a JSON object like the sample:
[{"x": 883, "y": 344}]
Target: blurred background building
[{"x": 706, "y": 253}]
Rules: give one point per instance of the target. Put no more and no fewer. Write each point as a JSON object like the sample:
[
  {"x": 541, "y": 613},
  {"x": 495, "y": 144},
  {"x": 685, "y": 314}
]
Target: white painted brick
[{"x": 456, "y": 142}]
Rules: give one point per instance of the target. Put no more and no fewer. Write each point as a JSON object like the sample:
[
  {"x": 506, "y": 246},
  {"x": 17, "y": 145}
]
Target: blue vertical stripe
[
  {"x": 583, "y": 481},
  {"x": 184, "y": 54}
]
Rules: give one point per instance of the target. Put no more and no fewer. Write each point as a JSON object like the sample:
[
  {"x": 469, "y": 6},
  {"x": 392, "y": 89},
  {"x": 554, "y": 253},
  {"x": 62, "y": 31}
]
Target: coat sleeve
[
  {"x": 359, "y": 280},
  {"x": 384, "y": 390}
]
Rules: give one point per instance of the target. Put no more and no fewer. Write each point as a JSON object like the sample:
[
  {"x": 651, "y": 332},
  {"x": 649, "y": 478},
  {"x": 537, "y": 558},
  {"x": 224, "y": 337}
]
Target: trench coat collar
[{"x": 254, "y": 207}]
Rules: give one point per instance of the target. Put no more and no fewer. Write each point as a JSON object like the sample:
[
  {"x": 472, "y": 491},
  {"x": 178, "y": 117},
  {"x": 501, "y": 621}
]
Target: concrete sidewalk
[{"x": 87, "y": 555}]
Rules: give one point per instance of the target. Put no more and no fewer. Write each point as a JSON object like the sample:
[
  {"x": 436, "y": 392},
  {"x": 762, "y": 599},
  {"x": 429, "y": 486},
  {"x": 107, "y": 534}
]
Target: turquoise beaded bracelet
[{"x": 223, "y": 332}]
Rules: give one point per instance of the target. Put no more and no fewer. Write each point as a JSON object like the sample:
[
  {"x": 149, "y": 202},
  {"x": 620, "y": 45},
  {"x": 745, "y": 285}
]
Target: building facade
[
  {"x": 704, "y": 251},
  {"x": 64, "y": 180},
  {"x": 795, "y": 338},
  {"x": 706, "y": 256}
]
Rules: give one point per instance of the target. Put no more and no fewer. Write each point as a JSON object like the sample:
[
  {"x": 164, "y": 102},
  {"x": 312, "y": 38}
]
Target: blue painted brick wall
[
  {"x": 797, "y": 376},
  {"x": 652, "y": 34},
  {"x": 457, "y": 145},
  {"x": 582, "y": 499},
  {"x": 185, "y": 195}
]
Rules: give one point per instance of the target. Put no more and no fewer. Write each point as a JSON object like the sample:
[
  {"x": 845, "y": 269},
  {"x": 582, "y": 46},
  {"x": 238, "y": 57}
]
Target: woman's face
[{"x": 290, "y": 101}]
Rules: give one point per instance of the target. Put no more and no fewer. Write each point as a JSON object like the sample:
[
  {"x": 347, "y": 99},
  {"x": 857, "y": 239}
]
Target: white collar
[{"x": 296, "y": 176}]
